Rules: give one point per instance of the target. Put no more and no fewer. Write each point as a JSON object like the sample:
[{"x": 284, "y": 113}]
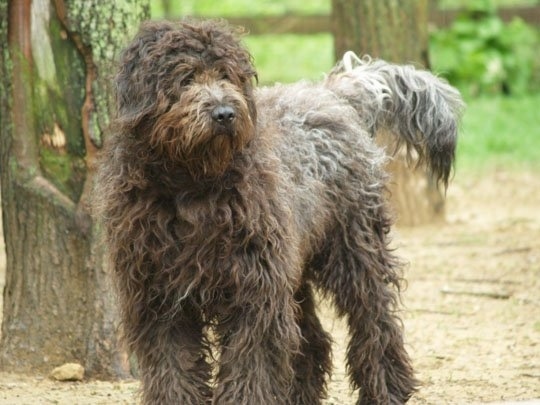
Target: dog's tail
[{"x": 420, "y": 109}]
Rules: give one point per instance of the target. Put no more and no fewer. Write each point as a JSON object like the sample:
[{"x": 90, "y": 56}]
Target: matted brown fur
[{"x": 225, "y": 205}]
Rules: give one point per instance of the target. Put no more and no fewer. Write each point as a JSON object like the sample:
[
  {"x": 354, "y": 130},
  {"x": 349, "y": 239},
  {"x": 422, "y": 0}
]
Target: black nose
[{"x": 223, "y": 114}]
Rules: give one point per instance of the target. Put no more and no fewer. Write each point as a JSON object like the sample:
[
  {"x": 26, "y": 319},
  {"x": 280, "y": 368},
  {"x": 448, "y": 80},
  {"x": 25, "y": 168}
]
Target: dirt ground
[{"x": 471, "y": 309}]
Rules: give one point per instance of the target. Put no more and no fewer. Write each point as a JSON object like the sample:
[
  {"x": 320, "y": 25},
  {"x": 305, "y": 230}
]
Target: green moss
[
  {"x": 66, "y": 172},
  {"x": 102, "y": 29},
  {"x": 5, "y": 92},
  {"x": 68, "y": 102},
  {"x": 57, "y": 101}
]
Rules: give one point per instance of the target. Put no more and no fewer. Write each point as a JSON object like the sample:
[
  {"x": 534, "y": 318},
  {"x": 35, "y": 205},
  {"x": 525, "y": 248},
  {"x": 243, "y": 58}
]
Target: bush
[{"x": 481, "y": 54}]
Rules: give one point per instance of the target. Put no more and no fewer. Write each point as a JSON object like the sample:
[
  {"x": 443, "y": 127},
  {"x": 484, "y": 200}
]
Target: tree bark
[
  {"x": 54, "y": 110},
  {"x": 397, "y": 32}
]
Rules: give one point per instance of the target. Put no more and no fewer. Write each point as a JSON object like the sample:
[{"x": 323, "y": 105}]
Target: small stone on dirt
[{"x": 68, "y": 372}]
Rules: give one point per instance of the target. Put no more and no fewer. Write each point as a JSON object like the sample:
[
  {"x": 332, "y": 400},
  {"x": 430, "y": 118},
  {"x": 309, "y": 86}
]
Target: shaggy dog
[{"x": 225, "y": 206}]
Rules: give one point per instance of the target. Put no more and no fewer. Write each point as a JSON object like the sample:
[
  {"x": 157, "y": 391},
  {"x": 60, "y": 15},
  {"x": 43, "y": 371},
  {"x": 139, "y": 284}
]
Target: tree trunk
[
  {"x": 397, "y": 32},
  {"x": 54, "y": 108}
]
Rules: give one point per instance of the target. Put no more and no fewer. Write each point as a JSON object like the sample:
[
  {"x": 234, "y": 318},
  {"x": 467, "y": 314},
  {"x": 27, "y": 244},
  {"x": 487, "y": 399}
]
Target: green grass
[
  {"x": 500, "y": 131},
  {"x": 288, "y": 58}
]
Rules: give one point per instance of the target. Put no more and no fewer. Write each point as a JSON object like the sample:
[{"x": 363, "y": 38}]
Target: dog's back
[{"x": 325, "y": 151}]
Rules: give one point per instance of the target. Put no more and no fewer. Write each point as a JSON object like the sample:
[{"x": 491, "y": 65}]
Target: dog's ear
[{"x": 135, "y": 81}]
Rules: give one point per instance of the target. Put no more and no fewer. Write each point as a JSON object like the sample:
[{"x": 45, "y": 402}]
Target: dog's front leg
[
  {"x": 259, "y": 338},
  {"x": 171, "y": 351},
  {"x": 255, "y": 361}
]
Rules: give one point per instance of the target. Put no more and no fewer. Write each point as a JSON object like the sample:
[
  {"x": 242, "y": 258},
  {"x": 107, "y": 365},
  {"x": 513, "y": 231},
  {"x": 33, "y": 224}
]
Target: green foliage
[
  {"x": 65, "y": 171},
  {"x": 482, "y": 55},
  {"x": 453, "y": 4}
]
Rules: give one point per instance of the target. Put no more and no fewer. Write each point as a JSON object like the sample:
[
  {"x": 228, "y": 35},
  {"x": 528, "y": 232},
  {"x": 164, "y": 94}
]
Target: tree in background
[
  {"x": 54, "y": 109},
  {"x": 397, "y": 32}
]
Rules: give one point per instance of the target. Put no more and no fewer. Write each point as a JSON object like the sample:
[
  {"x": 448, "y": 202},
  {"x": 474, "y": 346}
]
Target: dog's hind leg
[
  {"x": 313, "y": 364},
  {"x": 357, "y": 269}
]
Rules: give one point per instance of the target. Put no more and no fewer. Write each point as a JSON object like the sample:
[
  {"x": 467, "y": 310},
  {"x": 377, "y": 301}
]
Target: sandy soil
[{"x": 472, "y": 306}]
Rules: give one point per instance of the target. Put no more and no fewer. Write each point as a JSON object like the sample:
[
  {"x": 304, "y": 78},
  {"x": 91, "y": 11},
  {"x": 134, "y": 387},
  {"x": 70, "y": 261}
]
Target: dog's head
[{"x": 186, "y": 90}]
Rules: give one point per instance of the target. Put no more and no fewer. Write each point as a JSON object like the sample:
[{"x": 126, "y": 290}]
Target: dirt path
[{"x": 472, "y": 314}]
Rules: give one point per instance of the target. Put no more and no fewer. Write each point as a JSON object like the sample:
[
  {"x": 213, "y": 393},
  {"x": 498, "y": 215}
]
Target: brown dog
[{"x": 225, "y": 205}]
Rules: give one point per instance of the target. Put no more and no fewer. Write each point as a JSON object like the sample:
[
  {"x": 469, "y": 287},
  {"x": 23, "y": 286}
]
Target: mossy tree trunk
[
  {"x": 55, "y": 65},
  {"x": 397, "y": 32}
]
